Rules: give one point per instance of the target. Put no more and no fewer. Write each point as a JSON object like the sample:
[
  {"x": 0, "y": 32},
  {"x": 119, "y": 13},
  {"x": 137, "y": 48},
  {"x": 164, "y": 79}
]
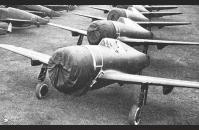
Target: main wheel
[
  {"x": 41, "y": 90},
  {"x": 134, "y": 115}
]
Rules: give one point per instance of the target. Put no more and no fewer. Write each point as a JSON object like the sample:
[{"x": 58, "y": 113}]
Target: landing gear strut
[
  {"x": 80, "y": 40},
  {"x": 41, "y": 88},
  {"x": 145, "y": 49},
  {"x": 135, "y": 112}
]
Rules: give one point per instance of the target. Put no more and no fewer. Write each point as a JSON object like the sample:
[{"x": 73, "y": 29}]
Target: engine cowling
[
  {"x": 132, "y": 13},
  {"x": 70, "y": 69}
]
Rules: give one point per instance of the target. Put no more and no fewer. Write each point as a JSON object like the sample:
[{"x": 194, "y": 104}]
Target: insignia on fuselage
[{"x": 113, "y": 44}]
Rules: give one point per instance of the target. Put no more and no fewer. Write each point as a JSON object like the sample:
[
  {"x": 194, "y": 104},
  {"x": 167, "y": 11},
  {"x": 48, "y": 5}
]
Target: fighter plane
[
  {"x": 146, "y": 24},
  {"x": 39, "y": 10},
  {"x": 147, "y": 8},
  {"x": 19, "y": 18},
  {"x": 134, "y": 14},
  {"x": 75, "y": 70},
  {"x": 124, "y": 30}
]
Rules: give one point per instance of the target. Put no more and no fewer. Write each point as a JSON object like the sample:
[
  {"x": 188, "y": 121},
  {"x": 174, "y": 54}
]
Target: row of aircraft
[{"x": 110, "y": 56}]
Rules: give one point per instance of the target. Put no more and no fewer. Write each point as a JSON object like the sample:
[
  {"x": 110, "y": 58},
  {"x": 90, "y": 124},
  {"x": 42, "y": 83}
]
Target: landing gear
[
  {"x": 135, "y": 112},
  {"x": 145, "y": 49},
  {"x": 134, "y": 115},
  {"x": 80, "y": 40},
  {"x": 38, "y": 25},
  {"x": 41, "y": 88},
  {"x": 105, "y": 11}
]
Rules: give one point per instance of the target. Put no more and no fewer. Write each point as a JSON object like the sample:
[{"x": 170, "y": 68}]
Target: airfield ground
[{"x": 106, "y": 106}]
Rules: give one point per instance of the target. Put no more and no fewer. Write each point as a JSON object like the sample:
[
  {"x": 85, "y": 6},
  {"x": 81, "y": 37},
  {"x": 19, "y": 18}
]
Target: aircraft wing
[
  {"x": 27, "y": 53},
  {"x": 132, "y": 41},
  {"x": 161, "y": 24},
  {"x": 160, "y": 7},
  {"x": 159, "y": 14},
  {"x": 73, "y": 30},
  {"x": 90, "y": 16},
  {"x": 140, "y": 79},
  {"x": 103, "y": 9}
]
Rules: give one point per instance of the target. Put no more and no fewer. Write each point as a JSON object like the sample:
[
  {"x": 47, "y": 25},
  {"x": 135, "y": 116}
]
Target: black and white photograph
[{"x": 99, "y": 64}]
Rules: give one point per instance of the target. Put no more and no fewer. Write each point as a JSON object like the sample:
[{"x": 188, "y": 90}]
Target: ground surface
[{"x": 106, "y": 106}]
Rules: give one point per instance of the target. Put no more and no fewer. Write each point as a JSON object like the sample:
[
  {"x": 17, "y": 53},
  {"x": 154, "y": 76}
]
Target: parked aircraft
[
  {"x": 38, "y": 10},
  {"x": 134, "y": 14},
  {"x": 77, "y": 69},
  {"x": 123, "y": 29},
  {"x": 146, "y": 24},
  {"x": 19, "y": 18}
]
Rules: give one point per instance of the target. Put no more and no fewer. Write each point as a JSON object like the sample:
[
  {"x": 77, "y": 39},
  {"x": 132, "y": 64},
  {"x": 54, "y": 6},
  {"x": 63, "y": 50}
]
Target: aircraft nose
[
  {"x": 71, "y": 69},
  {"x": 62, "y": 71}
]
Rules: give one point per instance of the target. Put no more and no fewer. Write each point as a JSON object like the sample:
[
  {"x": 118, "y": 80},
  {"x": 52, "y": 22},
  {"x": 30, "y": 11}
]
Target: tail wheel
[
  {"x": 134, "y": 115},
  {"x": 41, "y": 90}
]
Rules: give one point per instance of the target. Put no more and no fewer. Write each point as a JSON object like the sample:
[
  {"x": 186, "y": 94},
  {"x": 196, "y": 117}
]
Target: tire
[
  {"x": 41, "y": 90},
  {"x": 134, "y": 115}
]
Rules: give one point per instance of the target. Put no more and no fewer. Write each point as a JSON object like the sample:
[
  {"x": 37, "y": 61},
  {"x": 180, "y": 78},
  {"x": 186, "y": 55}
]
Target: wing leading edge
[
  {"x": 142, "y": 23},
  {"x": 44, "y": 58},
  {"x": 90, "y": 16},
  {"x": 73, "y": 30},
  {"x": 133, "y": 41},
  {"x": 140, "y": 79}
]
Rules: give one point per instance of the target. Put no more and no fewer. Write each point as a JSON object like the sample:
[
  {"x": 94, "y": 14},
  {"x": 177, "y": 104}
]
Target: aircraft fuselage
[
  {"x": 49, "y": 12},
  {"x": 73, "y": 69},
  {"x": 12, "y": 13},
  {"x": 100, "y": 29}
]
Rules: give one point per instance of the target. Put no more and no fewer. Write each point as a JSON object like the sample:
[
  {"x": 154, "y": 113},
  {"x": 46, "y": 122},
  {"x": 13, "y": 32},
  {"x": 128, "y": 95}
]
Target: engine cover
[
  {"x": 113, "y": 29},
  {"x": 71, "y": 69},
  {"x": 133, "y": 14}
]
